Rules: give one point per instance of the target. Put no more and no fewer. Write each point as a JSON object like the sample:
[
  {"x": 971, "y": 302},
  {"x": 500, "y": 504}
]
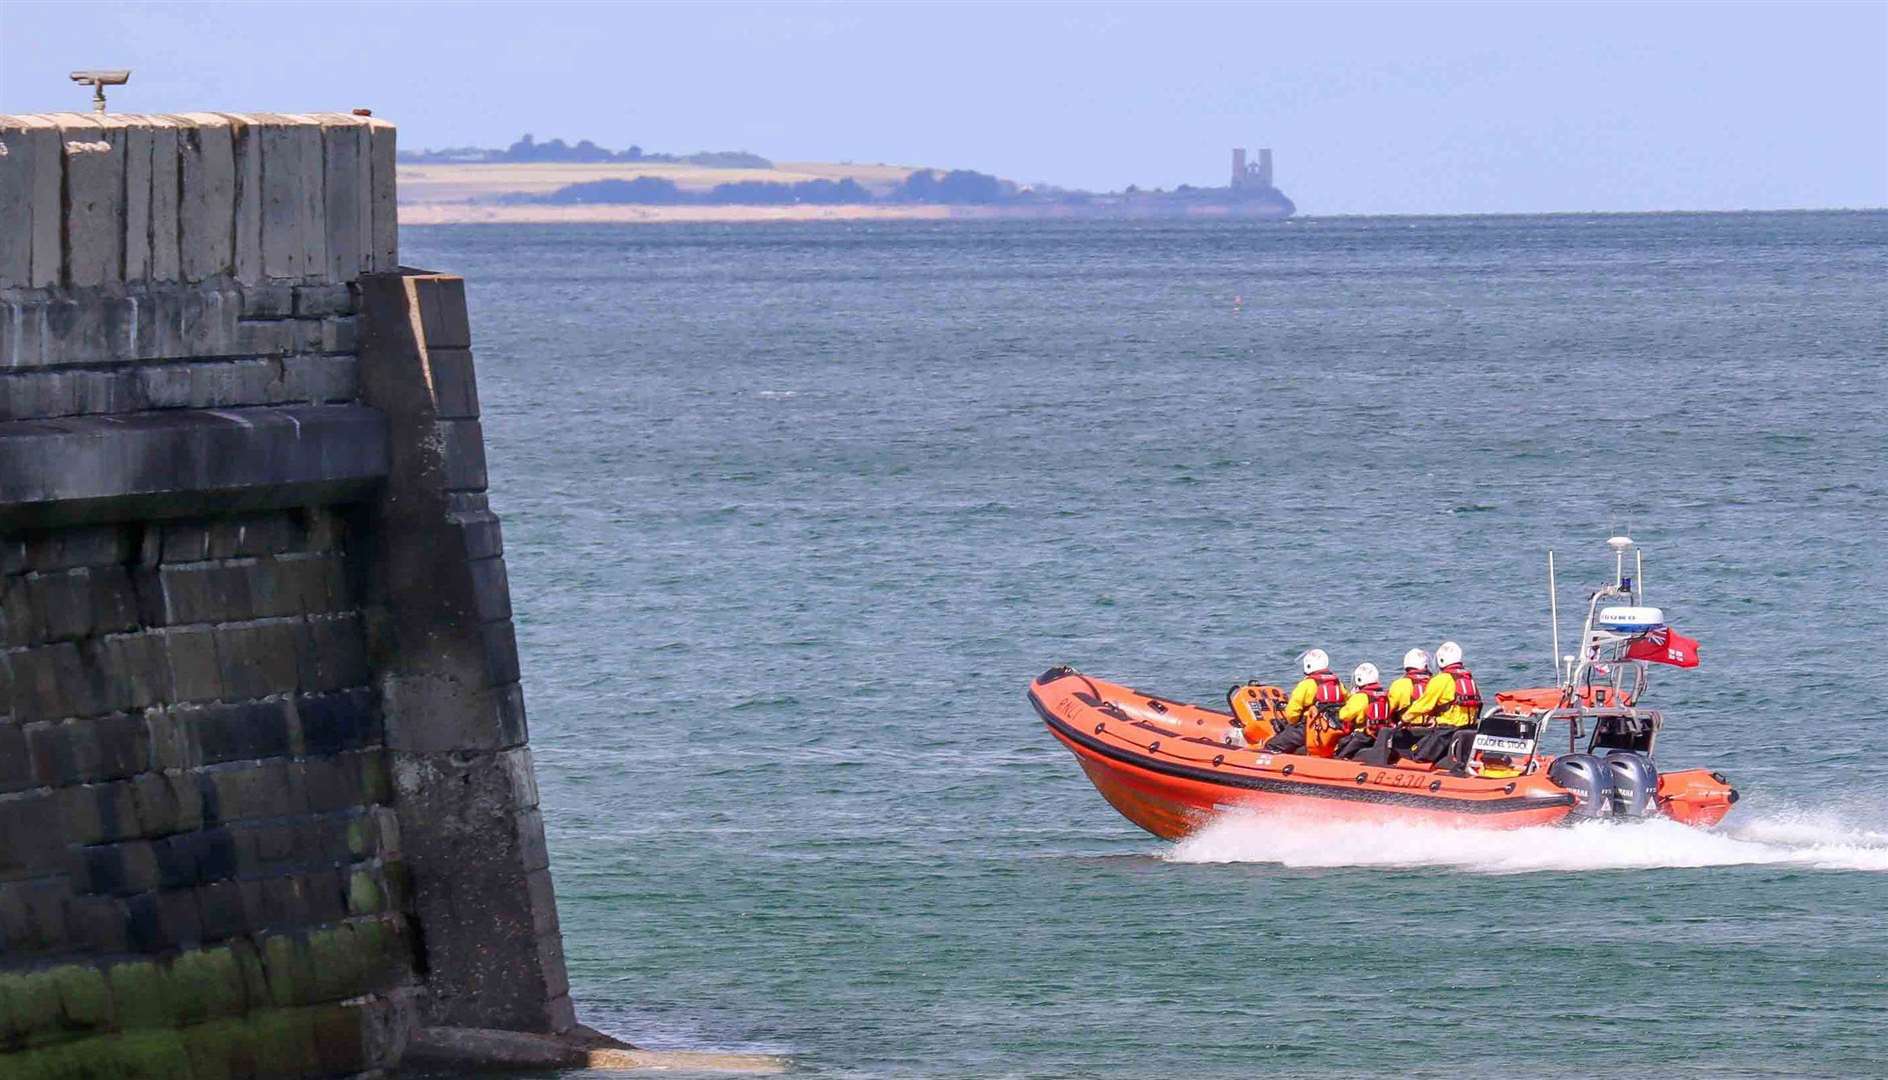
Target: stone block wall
[
  {"x": 266, "y": 802},
  {"x": 119, "y": 201},
  {"x": 224, "y": 241},
  {"x": 195, "y": 825},
  {"x": 438, "y": 610}
]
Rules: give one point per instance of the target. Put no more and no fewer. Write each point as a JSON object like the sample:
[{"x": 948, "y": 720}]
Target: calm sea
[{"x": 795, "y": 512}]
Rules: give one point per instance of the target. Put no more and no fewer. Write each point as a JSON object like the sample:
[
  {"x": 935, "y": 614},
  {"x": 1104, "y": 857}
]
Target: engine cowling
[
  {"x": 1635, "y": 785},
  {"x": 1589, "y": 779}
]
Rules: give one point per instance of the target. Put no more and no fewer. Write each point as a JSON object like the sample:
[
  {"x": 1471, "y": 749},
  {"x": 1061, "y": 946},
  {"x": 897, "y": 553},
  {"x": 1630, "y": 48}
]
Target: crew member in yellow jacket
[
  {"x": 1312, "y": 707},
  {"x": 1366, "y": 713},
  {"x": 1451, "y": 701},
  {"x": 1399, "y": 736},
  {"x": 1408, "y": 688}
]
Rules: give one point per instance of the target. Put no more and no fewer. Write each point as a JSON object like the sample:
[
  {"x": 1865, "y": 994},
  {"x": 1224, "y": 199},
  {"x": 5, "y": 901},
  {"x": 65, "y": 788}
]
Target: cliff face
[
  {"x": 1265, "y": 202},
  {"x": 266, "y": 804},
  {"x": 1248, "y": 202}
]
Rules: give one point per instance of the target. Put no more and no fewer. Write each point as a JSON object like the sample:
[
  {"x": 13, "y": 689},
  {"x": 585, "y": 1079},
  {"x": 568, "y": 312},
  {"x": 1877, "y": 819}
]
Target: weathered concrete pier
[{"x": 266, "y": 805}]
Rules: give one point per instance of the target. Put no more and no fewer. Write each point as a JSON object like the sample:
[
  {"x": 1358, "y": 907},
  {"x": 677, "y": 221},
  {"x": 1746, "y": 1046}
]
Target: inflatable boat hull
[{"x": 1168, "y": 767}]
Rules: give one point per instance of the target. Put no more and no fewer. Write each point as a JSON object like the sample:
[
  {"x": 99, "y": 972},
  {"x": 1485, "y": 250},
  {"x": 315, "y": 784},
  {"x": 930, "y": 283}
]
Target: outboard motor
[
  {"x": 1590, "y": 781},
  {"x": 1635, "y": 784}
]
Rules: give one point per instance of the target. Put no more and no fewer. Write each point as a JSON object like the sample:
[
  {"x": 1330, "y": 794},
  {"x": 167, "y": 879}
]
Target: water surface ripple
[{"x": 794, "y": 512}]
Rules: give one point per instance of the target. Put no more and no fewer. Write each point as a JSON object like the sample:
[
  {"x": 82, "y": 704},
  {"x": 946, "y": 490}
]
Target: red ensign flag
[{"x": 1664, "y": 646}]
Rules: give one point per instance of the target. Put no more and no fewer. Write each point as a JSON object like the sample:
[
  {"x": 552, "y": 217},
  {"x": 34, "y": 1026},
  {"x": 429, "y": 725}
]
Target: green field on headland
[
  {"x": 444, "y": 193},
  {"x": 552, "y": 182}
]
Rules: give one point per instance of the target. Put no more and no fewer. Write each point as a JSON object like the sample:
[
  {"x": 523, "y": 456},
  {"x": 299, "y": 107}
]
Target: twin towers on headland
[{"x": 1251, "y": 175}]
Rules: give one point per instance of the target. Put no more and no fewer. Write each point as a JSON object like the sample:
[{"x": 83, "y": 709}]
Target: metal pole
[
  {"x": 1639, "y": 574},
  {"x": 1553, "y": 613}
]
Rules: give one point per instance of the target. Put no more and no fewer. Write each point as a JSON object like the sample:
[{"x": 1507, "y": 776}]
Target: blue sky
[{"x": 1371, "y": 108}]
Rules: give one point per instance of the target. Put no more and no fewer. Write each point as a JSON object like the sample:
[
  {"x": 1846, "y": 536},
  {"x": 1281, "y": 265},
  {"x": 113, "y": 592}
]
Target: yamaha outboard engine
[
  {"x": 1590, "y": 781},
  {"x": 1635, "y": 784}
]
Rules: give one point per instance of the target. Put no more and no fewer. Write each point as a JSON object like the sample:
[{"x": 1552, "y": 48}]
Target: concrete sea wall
[{"x": 266, "y": 804}]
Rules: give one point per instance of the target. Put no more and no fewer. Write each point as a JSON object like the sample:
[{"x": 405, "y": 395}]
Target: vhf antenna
[{"x": 1553, "y": 614}]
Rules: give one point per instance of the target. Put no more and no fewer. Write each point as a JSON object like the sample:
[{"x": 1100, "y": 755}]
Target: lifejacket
[
  {"x": 1377, "y": 709},
  {"x": 1322, "y": 727},
  {"x": 1330, "y": 695},
  {"x": 1468, "y": 696}
]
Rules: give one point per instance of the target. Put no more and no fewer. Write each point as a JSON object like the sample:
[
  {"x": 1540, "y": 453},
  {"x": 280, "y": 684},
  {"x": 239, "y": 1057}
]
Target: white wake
[{"x": 1821, "y": 840}]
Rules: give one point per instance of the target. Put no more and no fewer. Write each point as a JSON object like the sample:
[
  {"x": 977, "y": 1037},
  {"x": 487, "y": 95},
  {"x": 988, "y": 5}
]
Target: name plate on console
[{"x": 1501, "y": 744}]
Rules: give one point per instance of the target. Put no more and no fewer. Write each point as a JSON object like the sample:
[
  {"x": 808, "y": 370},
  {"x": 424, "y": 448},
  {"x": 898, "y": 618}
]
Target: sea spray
[{"x": 1821, "y": 841}]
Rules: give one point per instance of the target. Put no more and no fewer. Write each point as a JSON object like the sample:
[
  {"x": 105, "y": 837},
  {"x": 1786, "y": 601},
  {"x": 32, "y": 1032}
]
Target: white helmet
[
  {"x": 1364, "y": 675},
  {"x": 1448, "y": 653},
  {"x": 1416, "y": 660},
  {"x": 1316, "y": 660}
]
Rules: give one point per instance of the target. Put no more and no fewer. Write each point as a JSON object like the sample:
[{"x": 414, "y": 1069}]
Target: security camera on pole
[{"x": 98, "y": 81}]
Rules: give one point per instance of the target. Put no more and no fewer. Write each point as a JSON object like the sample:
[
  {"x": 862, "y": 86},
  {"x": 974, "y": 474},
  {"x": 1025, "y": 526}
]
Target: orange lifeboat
[{"x": 1170, "y": 767}]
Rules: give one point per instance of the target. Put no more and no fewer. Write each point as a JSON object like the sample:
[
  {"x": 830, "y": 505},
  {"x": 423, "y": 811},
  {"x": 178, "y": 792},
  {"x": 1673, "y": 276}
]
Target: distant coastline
[
  {"x": 540, "y": 183},
  {"x": 606, "y": 213},
  {"x": 619, "y": 214}
]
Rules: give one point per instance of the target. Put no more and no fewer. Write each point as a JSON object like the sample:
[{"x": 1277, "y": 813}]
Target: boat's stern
[
  {"x": 1696, "y": 796},
  {"x": 1626, "y": 786}
]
